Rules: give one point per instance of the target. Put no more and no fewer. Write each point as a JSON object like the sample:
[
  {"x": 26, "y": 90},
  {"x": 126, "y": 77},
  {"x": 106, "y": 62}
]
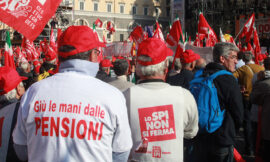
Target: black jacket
[
  {"x": 230, "y": 99},
  {"x": 181, "y": 79}
]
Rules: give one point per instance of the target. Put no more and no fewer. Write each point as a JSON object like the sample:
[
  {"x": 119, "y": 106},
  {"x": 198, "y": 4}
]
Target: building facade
[{"x": 123, "y": 14}]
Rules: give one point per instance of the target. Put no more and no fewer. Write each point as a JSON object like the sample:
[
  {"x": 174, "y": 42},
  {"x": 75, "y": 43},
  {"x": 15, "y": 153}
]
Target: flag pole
[{"x": 239, "y": 33}]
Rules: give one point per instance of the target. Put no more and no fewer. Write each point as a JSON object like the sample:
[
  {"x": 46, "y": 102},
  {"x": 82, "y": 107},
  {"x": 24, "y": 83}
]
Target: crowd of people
[{"x": 77, "y": 109}]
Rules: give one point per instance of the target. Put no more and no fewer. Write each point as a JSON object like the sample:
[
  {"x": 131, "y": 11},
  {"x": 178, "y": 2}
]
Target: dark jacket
[
  {"x": 102, "y": 75},
  {"x": 230, "y": 99},
  {"x": 181, "y": 79}
]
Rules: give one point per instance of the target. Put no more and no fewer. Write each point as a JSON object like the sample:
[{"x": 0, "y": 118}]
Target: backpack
[{"x": 205, "y": 94}]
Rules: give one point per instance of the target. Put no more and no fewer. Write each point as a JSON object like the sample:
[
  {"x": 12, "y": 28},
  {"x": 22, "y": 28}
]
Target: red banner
[{"x": 28, "y": 17}]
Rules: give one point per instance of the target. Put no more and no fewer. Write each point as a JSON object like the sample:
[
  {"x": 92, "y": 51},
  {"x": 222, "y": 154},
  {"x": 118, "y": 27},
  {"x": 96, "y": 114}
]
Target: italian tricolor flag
[{"x": 9, "y": 58}]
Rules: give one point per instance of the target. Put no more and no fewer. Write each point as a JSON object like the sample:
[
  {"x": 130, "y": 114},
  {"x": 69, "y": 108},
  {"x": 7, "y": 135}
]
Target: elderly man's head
[
  {"x": 151, "y": 59},
  {"x": 226, "y": 54},
  {"x": 79, "y": 42},
  {"x": 11, "y": 86}
]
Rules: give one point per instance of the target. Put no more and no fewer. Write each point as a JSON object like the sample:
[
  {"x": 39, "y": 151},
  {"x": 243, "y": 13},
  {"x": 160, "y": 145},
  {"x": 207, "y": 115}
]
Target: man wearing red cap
[
  {"x": 11, "y": 90},
  {"x": 188, "y": 61},
  {"x": 160, "y": 115},
  {"x": 104, "y": 70},
  {"x": 72, "y": 116}
]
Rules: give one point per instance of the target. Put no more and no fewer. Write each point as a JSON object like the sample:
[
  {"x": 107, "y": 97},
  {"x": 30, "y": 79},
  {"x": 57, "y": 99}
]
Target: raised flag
[
  {"x": 175, "y": 33},
  {"x": 30, "y": 50},
  {"x": 110, "y": 27},
  {"x": 137, "y": 34},
  {"x": 256, "y": 45},
  {"x": 98, "y": 23},
  {"x": 52, "y": 41},
  {"x": 28, "y": 17},
  {"x": 9, "y": 58},
  {"x": 158, "y": 33},
  {"x": 204, "y": 28},
  {"x": 248, "y": 28}
]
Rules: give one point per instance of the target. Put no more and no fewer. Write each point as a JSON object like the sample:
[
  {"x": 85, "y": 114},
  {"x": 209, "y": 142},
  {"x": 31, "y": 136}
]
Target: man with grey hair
[
  {"x": 218, "y": 146},
  {"x": 245, "y": 75},
  {"x": 160, "y": 115},
  {"x": 11, "y": 90}
]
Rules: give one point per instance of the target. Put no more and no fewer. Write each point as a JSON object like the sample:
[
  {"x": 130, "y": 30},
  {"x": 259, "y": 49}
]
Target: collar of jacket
[
  {"x": 81, "y": 66},
  {"x": 213, "y": 67}
]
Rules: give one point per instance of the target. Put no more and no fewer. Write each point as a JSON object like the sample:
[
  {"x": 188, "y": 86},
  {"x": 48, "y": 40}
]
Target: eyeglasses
[{"x": 97, "y": 52}]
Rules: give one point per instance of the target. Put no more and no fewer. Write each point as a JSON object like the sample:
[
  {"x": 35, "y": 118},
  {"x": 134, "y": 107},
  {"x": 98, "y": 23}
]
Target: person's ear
[{"x": 222, "y": 59}]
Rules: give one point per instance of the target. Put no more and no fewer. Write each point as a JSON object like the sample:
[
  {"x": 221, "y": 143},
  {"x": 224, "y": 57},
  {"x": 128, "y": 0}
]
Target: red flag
[
  {"x": 59, "y": 32},
  {"x": 110, "y": 27},
  {"x": 9, "y": 57},
  {"x": 248, "y": 28},
  {"x": 158, "y": 32},
  {"x": 256, "y": 45},
  {"x": 30, "y": 50},
  {"x": 98, "y": 23},
  {"x": 204, "y": 28},
  {"x": 175, "y": 33},
  {"x": 28, "y": 17},
  {"x": 137, "y": 34},
  {"x": 52, "y": 41}
]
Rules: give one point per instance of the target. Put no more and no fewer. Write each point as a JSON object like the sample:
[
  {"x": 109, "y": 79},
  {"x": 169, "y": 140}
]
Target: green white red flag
[
  {"x": 248, "y": 28},
  {"x": 9, "y": 58}
]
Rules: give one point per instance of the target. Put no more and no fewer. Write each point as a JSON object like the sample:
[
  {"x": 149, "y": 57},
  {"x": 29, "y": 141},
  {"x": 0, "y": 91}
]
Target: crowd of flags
[{"x": 205, "y": 37}]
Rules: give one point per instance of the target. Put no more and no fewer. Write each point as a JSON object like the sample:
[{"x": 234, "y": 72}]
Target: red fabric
[
  {"x": 175, "y": 33},
  {"x": 30, "y": 50},
  {"x": 158, "y": 32},
  {"x": 110, "y": 27},
  {"x": 28, "y": 19},
  {"x": 248, "y": 28},
  {"x": 189, "y": 56},
  {"x": 98, "y": 23},
  {"x": 137, "y": 34},
  {"x": 50, "y": 54},
  {"x": 106, "y": 63},
  {"x": 80, "y": 37},
  {"x": 204, "y": 28},
  {"x": 237, "y": 156},
  {"x": 257, "y": 47},
  {"x": 9, "y": 79},
  {"x": 9, "y": 60},
  {"x": 154, "y": 48}
]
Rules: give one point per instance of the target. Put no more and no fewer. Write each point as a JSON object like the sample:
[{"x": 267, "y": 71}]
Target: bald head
[{"x": 200, "y": 63}]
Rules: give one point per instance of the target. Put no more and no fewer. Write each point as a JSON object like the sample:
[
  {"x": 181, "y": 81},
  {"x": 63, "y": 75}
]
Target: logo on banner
[
  {"x": 156, "y": 152},
  {"x": 157, "y": 123},
  {"x": 17, "y": 8}
]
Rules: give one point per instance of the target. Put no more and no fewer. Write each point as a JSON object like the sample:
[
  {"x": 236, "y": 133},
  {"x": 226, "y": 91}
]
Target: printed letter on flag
[{"x": 28, "y": 17}]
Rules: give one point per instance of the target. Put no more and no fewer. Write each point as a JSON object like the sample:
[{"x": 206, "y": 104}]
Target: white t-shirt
[
  {"x": 160, "y": 117},
  {"x": 72, "y": 116}
]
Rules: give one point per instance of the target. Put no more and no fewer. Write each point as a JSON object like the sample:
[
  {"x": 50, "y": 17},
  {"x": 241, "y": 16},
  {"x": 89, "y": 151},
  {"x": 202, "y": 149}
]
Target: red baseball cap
[
  {"x": 189, "y": 56},
  {"x": 154, "y": 48},
  {"x": 9, "y": 79},
  {"x": 82, "y": 38},
  {"x": 106, "y": 63}
]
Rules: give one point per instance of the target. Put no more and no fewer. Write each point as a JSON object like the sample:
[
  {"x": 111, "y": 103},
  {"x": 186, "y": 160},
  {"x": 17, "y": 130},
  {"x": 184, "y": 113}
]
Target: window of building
[
  {"x": 108, "y": 36},
  {"x": 145, "y": 10},
  {"x": 95, "y": 6},
  {"x": 122, "y": 8},
  {"x": 109, "y": 7},
  {"x": 81, "y": 5},
  {"x": 66, "y": 2},
  {"x": 134, "y": 10},
  {"x": 121, "y": 37},
  {"x": 168, "y": 11},
  {"x": 81, "y": 22}
]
